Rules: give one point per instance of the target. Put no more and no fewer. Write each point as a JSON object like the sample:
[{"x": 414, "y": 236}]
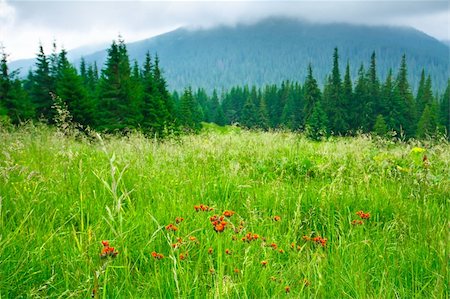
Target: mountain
[{"x": 279, "y": 49}]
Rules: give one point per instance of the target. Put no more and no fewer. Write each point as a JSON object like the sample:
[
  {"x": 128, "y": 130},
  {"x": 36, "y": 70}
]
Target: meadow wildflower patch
[{"x": 198, "y": 217}]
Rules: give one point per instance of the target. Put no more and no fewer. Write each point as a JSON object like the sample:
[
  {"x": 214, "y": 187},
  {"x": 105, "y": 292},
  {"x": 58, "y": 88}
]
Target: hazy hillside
[{"x": 280, "y": 49}]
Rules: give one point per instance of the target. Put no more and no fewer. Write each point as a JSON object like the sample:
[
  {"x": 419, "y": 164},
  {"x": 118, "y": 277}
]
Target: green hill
[{"x": 279, "y": 49}]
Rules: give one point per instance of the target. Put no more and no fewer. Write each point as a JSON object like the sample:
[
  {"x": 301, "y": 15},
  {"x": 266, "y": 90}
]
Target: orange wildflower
[
  {"x": 219, "y": 228},
  {"x": 363, "y": 215},
  {"x": 108, "y": 251},
  {"x": 179, "y": 220},
  {"x": 276, "y": 218},
  {"x": 281, "y": 251},
  {"x": 287, "y": 289},
  {"x": 157, "y": 256},
  {"x": 264, "y": 263},
  {"x": 210, "y": 250},
  {"x": 228, "y": 213},
  {"x": 228, "y": 251},
  {"x": 171, "y": 227},
  {"x": 357, "y": 222},
  {"x": 274, "y": 246},
  {"x": 236, "y": 270},
  {"x": 183, "y": 256}
]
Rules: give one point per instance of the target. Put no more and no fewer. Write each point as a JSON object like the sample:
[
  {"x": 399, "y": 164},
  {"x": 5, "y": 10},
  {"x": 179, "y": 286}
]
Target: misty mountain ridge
[{"x": 277, "y": 49}]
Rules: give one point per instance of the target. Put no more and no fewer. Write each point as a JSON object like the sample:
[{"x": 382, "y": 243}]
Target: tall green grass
[{"x": 61, "y": 196}]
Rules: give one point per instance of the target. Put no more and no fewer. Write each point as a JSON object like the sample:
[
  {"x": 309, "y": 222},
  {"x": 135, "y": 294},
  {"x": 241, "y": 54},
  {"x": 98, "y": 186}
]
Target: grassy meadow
[{"x": 60, "y": 197}]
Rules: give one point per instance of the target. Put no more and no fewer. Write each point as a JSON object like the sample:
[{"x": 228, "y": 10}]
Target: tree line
[{"x": 127, "y": 96}]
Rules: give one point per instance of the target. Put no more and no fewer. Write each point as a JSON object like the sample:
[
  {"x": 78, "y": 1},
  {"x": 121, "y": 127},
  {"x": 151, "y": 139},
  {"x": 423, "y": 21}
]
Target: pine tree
[
  {"x": 154, "y": 109},
  {"x": 361, "y": 97},
  {"x": 428, "y": 123},
  {"x": 317, "y": 124},
  {"x": 188, "y": 112},
  {"x": 118, "y": 107},
  {"x": 14, "y": 101},
  {"x": 445, "y": 109},
  {"x": 250, "y": 112},
  {"x": 334, "y": 100},
  {"x": 372, "y": 106},
  {"x": 41, "y": 86},
  {"x": 347, "y": 96},
  {"x": 263, "y": 116},
  {"x": 380, "y": 128},
  {"x": 162, "y": 92},
  {"x": 70, "y": 88},
  {"x": 406, "y": 98},
  {"x": 311, "y": 95}
]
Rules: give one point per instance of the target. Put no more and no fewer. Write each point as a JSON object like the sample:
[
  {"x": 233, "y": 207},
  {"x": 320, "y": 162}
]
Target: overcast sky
[{"x": 23, "y": 24}]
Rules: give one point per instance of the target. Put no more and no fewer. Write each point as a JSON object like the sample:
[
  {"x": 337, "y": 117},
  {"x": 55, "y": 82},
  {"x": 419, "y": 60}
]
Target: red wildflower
[{"x": 108, "y": 251}]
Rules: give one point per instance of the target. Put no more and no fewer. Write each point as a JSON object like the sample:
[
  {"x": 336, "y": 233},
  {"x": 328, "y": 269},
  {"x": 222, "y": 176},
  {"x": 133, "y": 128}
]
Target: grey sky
[{"x": 23, "y": 24}]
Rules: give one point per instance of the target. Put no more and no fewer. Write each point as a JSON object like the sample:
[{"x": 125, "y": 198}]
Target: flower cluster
[
  {"x": 178, "y": 220},
  {"x": 108, "y": 251},
  {"x": 250, "y": 237},
  {"x": 203, "y": 208},
  {"x": 219, "y": 223},
  {"x": 171, "y": 227},
  {"x": 317, "y": 240},
  {"x": 357, "y": 222},
  {"x": 363, "y": 215},
  {"x": 157, "y": 256},
  {"x": 228, "y": 213}
]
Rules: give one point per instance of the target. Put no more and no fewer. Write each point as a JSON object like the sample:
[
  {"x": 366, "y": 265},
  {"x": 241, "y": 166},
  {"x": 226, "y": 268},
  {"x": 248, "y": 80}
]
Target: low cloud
[{"x": 76, "y": 23}]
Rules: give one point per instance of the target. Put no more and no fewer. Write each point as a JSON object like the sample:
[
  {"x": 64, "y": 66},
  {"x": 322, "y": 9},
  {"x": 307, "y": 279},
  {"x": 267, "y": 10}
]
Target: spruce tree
[
  {"x": 188, "y": 112},
  {"x": 70, "y": 88},
  {"x": 41, "y": 86},
  {"x": 347, "y": 96},
  {"x": 154, "y": 110},
  {"x": 358, "y": 112},
  {"x": 118, "y": 108},
  {"x": 445, "y": 109},
  {"x": 14, "y": 101},
  {"x": 249, "y": 118},
  {"x": 263, "y": 116},
  {"x": 408, "y": 108},
  {"x": 317, "y": 124},
  {"x": 311, "y": 95},
  {"x": 333, "y": 99},
  {"x": 372, "y": 106},
  {"x": 380, "y": 128}
]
